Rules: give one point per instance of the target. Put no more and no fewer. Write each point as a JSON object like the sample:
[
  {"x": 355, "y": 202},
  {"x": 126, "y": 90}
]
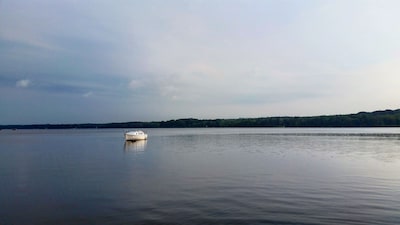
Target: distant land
[{"x": 384, "y": 118}]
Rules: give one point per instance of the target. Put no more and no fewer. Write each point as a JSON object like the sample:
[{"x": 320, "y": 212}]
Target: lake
[{"x": 201, "y": 176}]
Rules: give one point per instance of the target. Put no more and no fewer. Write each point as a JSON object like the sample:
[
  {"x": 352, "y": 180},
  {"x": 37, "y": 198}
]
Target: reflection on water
[{"x": 135, "y": 146}]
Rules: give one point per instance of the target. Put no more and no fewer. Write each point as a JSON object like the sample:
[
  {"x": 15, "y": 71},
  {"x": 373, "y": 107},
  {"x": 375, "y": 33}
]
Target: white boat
[{"x": 135, "y": 135}]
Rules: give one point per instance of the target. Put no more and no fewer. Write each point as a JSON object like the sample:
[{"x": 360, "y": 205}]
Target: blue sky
[{"x": 71, "y": 61}]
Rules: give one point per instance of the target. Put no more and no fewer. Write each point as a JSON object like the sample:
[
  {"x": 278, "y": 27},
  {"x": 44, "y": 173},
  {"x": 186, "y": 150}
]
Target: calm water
[{"x": 201, "y": 176}]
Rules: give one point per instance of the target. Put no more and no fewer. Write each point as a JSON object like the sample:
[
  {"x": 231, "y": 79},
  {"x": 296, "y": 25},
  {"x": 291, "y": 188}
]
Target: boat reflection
[{"x": 135, "y": 146}]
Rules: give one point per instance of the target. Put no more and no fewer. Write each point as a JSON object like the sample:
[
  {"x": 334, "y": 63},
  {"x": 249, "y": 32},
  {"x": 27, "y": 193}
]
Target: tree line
[{"x": 386, "y": 118}]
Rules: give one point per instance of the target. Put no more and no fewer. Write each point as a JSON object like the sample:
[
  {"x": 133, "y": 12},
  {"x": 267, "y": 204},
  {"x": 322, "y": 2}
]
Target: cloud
[
  {"x": 88, "y": 94},
  {"x": 23, "y": 83},
  {"x": 240, "y": 58},
  {"x": 134, "y": 84}
]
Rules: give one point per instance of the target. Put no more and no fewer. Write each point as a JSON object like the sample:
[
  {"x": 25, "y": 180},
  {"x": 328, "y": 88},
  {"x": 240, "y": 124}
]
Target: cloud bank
[{"x": 101, "y": 61}]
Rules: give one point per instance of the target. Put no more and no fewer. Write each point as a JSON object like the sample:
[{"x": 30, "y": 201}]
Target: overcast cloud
[{"x": 70, "y": 61}]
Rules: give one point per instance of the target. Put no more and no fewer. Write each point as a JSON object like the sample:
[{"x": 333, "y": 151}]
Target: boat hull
[{"x": 135, "y": 137}]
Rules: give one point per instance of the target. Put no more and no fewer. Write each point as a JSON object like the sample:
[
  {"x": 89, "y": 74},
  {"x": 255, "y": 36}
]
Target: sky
[{"x": 95, "y": 61}]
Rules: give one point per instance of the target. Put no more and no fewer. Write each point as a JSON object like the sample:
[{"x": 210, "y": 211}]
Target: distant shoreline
[{"x": 384, "y": 118}]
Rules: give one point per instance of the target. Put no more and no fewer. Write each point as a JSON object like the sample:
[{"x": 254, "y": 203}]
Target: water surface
[{"x": 201, "y": 176}]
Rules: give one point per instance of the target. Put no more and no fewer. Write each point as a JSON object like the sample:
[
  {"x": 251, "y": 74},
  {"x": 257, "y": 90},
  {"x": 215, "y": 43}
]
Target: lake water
[{"x": 201, "y": 176}]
